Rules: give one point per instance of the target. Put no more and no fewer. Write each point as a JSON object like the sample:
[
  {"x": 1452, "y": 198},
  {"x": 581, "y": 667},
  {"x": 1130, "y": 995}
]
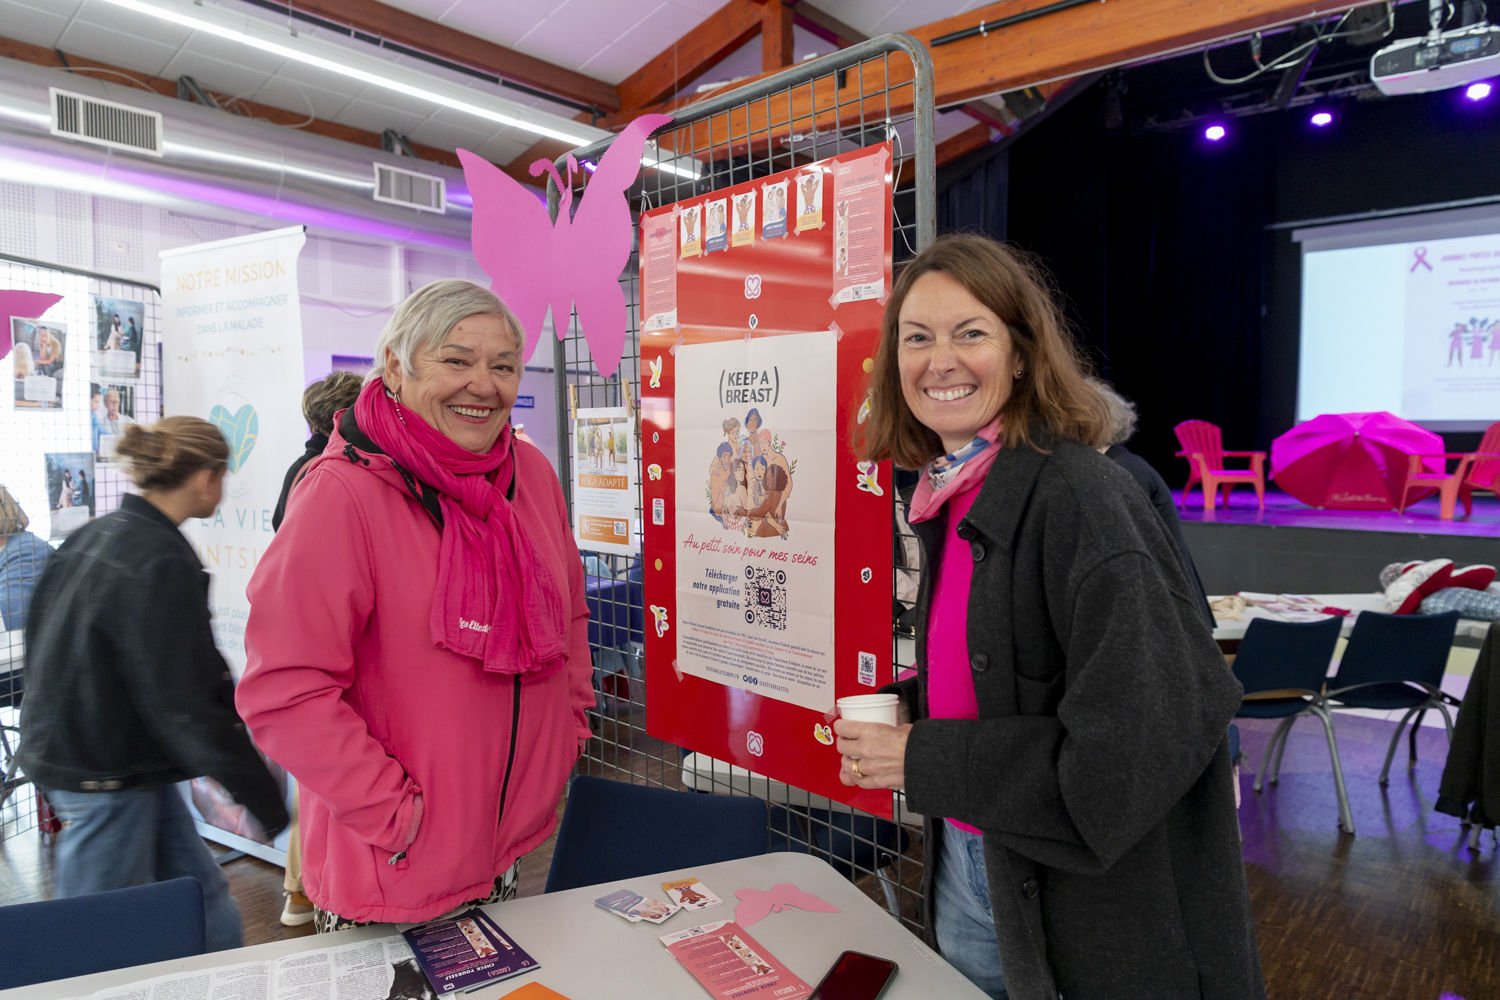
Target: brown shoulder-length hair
[{"x": 1052, "y": 391}]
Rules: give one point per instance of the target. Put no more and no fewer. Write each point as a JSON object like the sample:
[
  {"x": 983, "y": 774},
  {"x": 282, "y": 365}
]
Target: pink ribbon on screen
[{"x": 1420, "y": 253}]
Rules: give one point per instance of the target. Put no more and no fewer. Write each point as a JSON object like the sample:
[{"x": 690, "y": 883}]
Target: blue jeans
[
  {"x": 964, "y": 924},
  {"x": 114, "y": 840}
]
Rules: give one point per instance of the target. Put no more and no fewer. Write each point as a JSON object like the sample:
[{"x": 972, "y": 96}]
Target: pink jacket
[{"x": 398, "y": 745}]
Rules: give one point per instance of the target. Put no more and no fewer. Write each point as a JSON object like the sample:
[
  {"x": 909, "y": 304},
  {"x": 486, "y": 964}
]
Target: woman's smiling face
[
  {"x": 466, "y": 387},
  {"x": 956, "y": 358}
]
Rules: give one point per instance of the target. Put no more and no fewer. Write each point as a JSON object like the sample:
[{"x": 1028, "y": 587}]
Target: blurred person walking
[
  {"x": 126, "y": 693},
  {"x": 22, "y": 557}
]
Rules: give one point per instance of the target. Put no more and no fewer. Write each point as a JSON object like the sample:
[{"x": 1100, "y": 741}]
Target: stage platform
[{"x": 1292, "y": 548}]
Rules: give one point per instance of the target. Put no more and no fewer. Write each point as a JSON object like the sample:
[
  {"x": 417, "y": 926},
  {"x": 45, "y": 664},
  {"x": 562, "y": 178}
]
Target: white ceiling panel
[
  {"x": 94, "y": 42},
  {"x": 498, "y": 21},
  {"x": 879, "y": 17},
  {"x": 132, "y": 23},
  {"x": 24, "y": 21}
]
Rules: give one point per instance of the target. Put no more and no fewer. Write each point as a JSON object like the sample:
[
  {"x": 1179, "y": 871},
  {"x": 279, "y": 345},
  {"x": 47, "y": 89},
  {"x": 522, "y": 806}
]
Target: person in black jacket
[
  {"x": 320, "y": 401},
  {"x": 1069, "y": 747},
  {"x": 1121, "y": 427},
  {"x": 126, "y": 694}
]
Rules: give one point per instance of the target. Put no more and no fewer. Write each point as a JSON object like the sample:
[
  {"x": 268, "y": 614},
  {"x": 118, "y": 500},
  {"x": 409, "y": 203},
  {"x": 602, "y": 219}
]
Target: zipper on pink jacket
[{"x": 515, "y": 729}]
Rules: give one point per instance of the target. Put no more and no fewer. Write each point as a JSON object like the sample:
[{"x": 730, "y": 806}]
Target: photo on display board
[
  {"x": 37, "y": 358},
  {"x": 120, "y": 334},
  {"x": 70, "y": 490},
  {"x": 810, "y": 201},
  {"x": 111, "y": 410}
]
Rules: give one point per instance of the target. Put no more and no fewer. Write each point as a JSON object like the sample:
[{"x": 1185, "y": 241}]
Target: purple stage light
[
  {"x": 1478, "y": 91},
  {"x": 1214, "y": 133},
  {"x": 1321, "y": 119}
]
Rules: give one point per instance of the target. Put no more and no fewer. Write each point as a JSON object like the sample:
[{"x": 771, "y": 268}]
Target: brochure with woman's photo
[
  {"x": 119, "y": 336},
  {"x": 37, "y": 359},
  {"x": 70, "y": 490},
  {"x": 111, "y": 410},
  {"x": 466, "y": 952},
  {"x": 732, "y": 965}
]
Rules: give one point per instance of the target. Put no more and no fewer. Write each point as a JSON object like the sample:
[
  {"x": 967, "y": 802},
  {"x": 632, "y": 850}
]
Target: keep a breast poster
[{"x": 767, "y": 543}]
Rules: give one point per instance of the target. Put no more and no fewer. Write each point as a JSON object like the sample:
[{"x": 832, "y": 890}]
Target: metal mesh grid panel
[
  {"x": 869, "y": 93},
  {"x": 27, "y": 437}
]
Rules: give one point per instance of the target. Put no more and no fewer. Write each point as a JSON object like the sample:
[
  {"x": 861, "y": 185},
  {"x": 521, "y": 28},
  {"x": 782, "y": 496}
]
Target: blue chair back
[
  {"x": 1278, "y": 655},
  {"x": 613, "y": 830},
  {"x": 1397, "y": 648},
  {"x": 59, "y": 938}
]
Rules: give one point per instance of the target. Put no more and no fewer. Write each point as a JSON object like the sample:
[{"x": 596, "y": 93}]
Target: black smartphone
[{"x": 856, "y": 977}]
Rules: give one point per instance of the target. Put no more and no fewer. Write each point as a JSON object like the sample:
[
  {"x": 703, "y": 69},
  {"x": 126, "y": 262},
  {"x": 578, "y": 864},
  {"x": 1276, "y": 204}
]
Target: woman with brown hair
[
  {"x": 1068, "y": 744},
  {"x": 126, "y": 693}
]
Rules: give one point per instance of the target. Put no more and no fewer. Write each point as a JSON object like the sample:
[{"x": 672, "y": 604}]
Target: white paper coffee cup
[{"x": 870, "y": 708}]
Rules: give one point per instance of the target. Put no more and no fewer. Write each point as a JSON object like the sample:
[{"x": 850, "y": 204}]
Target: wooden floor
[{"x": 1403, "y": 911}]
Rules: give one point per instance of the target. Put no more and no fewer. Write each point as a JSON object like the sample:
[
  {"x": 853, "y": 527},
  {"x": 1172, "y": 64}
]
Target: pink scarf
[
  {"x": 495, "y": 600},
  {"x": 950, "y": 475}
]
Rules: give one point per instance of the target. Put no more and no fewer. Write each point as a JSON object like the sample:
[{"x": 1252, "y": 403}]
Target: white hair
[
  {"x": 1122, "y": 415},
  {"x": 424, "y": 319}
]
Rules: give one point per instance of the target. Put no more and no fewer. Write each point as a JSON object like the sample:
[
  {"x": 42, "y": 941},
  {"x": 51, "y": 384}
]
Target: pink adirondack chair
[
  {"x": 1477, "y": 470},
  {"x": 1203, "y": 447}
]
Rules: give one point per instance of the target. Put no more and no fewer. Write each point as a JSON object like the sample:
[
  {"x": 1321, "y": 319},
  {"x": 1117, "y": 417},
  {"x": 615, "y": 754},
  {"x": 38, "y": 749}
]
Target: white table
[
  {"x": 586, "y": 953},
  {"x": 1468, "y": 628}
]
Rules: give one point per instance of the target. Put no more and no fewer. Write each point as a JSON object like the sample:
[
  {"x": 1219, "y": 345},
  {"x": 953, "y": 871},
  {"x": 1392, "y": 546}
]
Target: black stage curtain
[{"x": 1157, "y": 242}]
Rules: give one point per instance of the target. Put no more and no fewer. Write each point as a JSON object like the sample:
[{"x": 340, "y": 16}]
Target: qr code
[
  {"x": 658, "y": 511},
  {"x": 765, "y": 597},
  {"x": 867, "y": 669}
]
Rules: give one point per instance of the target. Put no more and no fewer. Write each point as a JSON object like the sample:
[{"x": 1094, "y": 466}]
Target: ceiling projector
[{"x": 1439, "y": 59}]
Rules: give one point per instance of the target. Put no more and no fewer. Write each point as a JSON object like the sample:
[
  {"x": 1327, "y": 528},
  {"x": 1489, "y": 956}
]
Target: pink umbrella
[{"x": 1351, "y": 461}]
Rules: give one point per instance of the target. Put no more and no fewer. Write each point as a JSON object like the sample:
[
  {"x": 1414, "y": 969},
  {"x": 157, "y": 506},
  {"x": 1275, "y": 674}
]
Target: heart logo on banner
[
  {"x": 752, "y": 286},
  {"x": 240, "y": 429}
]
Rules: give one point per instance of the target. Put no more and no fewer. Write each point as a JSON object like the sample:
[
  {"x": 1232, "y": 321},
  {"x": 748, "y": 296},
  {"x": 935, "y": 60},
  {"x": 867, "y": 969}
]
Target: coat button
[
  {"x": 978, "y": 551},
  {"x": 1029, "y": 888},
  {"x": 979, "y": 661},
  {"x": 965, "y": 532}
]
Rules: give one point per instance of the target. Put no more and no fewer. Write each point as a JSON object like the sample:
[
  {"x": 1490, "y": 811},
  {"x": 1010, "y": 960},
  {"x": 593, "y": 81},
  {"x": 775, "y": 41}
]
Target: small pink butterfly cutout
[
  {"x": 533, "y": 263},
  {"x": 756, "y": 905}
]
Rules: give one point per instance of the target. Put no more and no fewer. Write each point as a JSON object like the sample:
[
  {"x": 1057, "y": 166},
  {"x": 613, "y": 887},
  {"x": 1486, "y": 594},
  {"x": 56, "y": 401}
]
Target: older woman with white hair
[
  {"x": 1121, "y": 428},
  {"x": 417, "y": 640}
]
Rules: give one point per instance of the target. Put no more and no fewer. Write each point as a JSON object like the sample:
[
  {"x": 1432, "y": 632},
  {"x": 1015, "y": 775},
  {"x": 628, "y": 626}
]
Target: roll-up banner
[{"x": 232, "y": 354}]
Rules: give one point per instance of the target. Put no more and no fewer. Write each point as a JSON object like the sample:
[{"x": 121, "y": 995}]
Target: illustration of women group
[
  {"x": 750, "y": 480},
  {"x": 1476, "y": 333}
]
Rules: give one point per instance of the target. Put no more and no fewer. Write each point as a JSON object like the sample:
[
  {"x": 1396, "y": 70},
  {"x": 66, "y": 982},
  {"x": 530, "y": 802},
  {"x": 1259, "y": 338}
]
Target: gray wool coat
[{"x": 1099, "y": 767}]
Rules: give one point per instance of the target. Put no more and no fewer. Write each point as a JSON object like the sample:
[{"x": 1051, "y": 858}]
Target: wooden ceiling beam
[
  {"x": 39, "y": 56},
  {"x": 1048, "y": 49},
  {"x": 386, "y": 22},
  {"x": 826, "y": 26},
  {"x": 776, "y": 37},
  {"x": 723, "y": 31}
]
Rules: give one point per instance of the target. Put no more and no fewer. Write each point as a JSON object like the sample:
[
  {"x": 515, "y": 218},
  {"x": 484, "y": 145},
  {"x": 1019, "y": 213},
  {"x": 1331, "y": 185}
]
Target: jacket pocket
[{"x": 1038, "y": 697}]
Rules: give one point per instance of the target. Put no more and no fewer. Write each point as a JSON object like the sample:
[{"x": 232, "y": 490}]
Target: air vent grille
[
  {"x": 403, "y": 187},
  {"x": 106, "y": 123}
]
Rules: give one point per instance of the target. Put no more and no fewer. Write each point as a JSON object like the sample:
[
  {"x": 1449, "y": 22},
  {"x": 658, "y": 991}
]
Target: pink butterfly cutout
[
  {"x": 14, "y": 302},
  {"x": 755, "y": 905},
  {"x": 533, "y": 263}
]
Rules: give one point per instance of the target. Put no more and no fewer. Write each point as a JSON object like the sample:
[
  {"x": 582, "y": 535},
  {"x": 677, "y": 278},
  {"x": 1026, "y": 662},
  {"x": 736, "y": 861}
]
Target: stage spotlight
[
  {"x": 1321, "y": 118},
  {"x": 1479, "y": 91},
  {"x": 1214, "y": 133}
]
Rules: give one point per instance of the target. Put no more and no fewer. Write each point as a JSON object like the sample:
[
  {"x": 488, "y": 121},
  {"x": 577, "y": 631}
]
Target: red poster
[{"x": 767, "y": 543}]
